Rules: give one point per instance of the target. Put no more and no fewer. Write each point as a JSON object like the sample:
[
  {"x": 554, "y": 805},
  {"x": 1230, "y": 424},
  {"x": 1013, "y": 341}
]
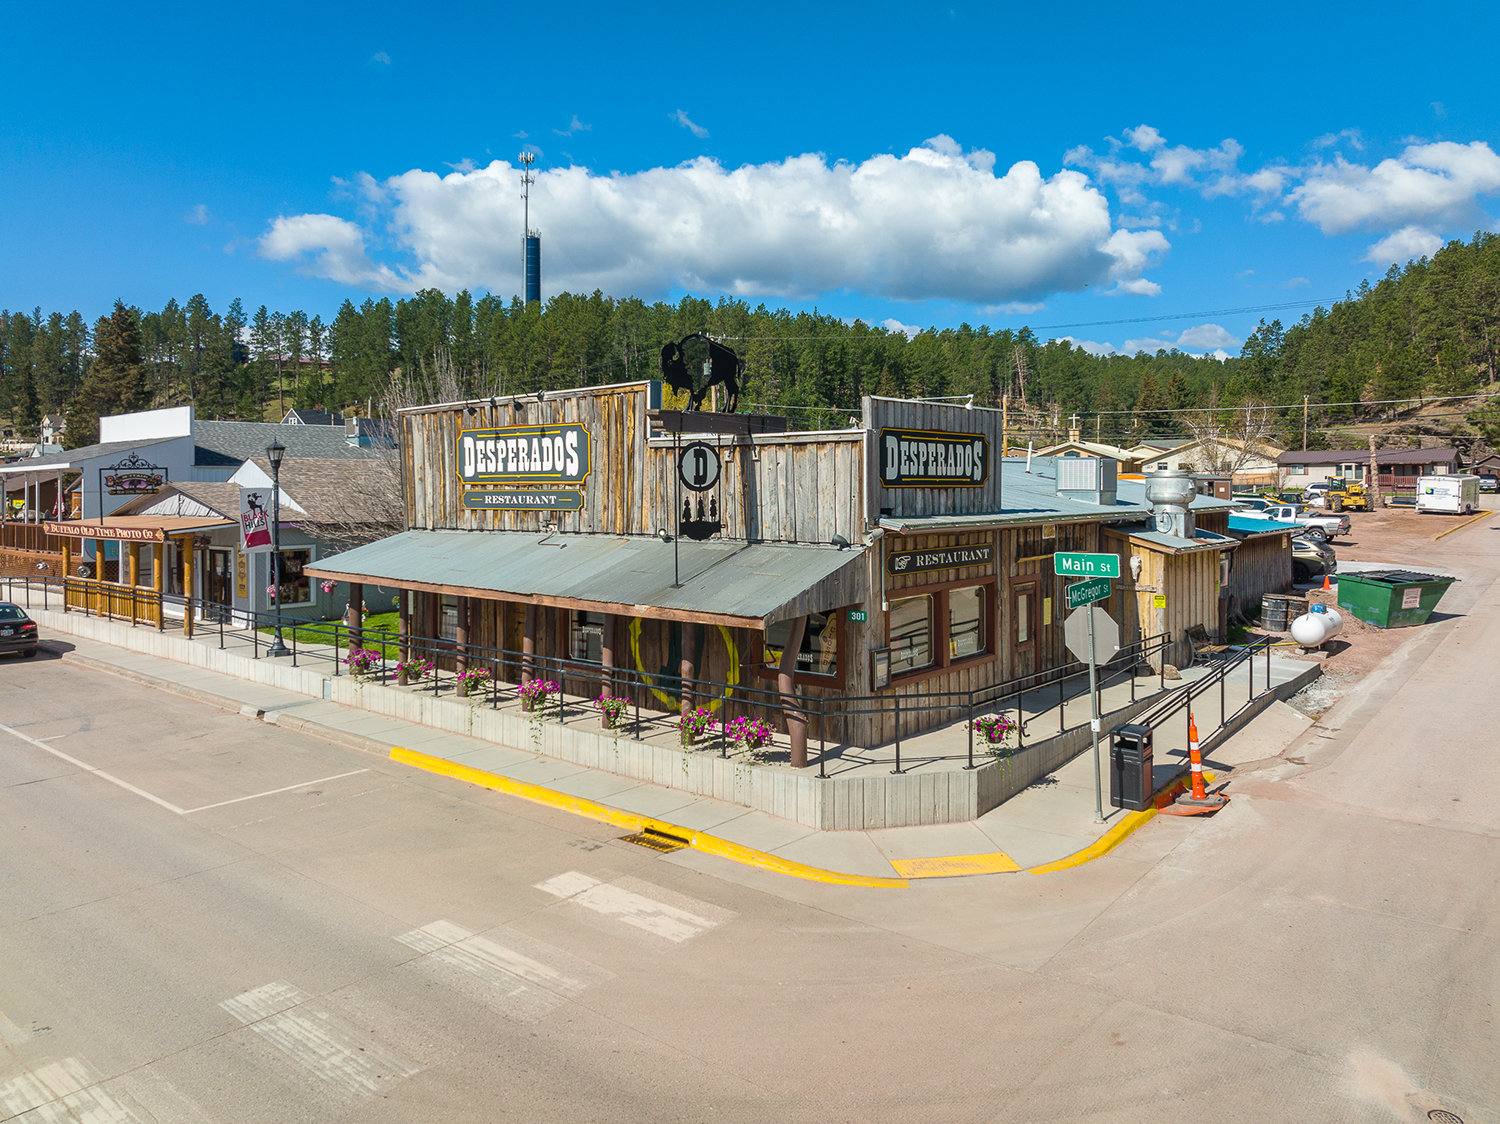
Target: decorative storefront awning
[
  {"x": 137, "y": 528},
  {"x": 735, "y": 584}
]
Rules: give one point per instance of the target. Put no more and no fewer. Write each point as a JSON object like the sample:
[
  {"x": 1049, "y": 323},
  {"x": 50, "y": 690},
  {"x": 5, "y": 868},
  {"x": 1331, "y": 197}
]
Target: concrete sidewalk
[{"x": 1048, "y": 826}]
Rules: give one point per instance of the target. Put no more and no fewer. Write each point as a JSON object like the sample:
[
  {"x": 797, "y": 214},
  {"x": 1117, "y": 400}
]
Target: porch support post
[
  {"x": 528, "y": 643},
  {"x": 403, "y": 630},
  {"x": 688, "y": 669},
  {"x": 135, "y": 576},
  {"x": 354, "y": 615},
  {"x": 607, "y": 654},
  {"x": 461, "y": 637},
  {"x": 159, "y": 577},
  {"x": 796, "y": 723},
  {"x": 187, "y": 586},
  {"x": 67, "y": 567}
]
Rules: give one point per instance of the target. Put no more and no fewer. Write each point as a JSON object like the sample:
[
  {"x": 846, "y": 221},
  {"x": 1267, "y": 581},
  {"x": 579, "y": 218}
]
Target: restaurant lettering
[
  {"x": 920, "y": 561},
  {"x": 555, "y": 500},
  {"x": 917, "y": 458},
  {"x": 524, "y": 454}
]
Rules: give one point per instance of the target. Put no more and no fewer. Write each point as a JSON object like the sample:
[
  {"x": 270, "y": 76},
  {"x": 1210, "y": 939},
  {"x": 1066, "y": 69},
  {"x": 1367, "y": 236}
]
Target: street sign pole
[{"x": 1094, "y": 721}]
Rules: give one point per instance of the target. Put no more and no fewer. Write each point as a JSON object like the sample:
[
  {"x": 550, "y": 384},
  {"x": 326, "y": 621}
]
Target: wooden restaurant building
[{"x": 719, "y": 554}]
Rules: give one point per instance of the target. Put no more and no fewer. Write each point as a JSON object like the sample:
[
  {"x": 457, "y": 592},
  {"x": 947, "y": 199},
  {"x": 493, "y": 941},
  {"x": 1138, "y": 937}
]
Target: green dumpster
[{"x": 1391, "y": 598}]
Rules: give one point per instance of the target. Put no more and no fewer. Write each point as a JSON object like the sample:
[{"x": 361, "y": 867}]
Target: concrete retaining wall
[{"x": 831, "y": 804}]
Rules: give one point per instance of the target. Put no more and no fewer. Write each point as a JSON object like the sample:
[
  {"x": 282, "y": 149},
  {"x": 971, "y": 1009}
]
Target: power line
[{"x": 1189, "y": 315}]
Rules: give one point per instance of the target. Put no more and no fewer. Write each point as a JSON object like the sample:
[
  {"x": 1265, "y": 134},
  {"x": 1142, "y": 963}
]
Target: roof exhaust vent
[{"x": 1170, "y": 491}]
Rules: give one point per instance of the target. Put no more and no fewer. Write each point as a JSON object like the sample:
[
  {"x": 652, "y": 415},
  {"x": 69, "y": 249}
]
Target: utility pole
[
  {"x": 1375, "y": 474},
  {"x": 1304, "y": 423}
]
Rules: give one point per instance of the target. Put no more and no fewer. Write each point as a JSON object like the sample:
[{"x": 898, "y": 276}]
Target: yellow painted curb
[
  {"x": 953, "y": 866},
  {"x": 578, "y": 805},
  {"x": 1101, "y": 846},
  {"x": 1465, "y": 523}
]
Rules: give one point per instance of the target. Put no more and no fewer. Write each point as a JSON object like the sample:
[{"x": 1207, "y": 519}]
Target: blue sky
[{"x": 917, "y": 164}]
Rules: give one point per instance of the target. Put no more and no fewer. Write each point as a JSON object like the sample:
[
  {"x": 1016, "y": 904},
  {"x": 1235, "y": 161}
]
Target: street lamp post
[{"x": 274, "y": 452}]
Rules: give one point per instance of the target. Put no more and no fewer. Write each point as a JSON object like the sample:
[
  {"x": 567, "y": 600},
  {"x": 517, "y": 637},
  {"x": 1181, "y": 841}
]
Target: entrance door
[
  {"x": 220, "y": 584},
  {"x": 1025, "y": 619}
]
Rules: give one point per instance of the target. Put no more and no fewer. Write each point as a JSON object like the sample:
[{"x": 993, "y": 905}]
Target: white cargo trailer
[{"x": 1452, "y": 495}]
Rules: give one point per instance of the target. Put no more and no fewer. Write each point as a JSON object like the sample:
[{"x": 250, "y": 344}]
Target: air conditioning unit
[{"x": 1091, "y": 479}]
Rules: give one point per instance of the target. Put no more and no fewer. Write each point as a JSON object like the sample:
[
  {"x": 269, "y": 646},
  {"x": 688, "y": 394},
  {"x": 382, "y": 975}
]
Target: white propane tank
[{"x": 1312, "y": 629}]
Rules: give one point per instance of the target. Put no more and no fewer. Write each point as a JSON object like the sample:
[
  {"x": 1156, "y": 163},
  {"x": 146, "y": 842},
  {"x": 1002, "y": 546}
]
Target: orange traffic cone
[
  {"x": 1198, "y": 801},
  {"x": 1326, "y": 587}
]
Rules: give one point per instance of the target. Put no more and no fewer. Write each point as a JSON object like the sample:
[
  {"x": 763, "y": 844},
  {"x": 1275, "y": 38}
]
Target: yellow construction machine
[{"x": 1346, "y": 495}]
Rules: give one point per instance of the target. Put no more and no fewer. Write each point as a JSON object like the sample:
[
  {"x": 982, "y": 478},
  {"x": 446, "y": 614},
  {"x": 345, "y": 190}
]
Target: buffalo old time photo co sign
[
  {"x": 920, "y": 458},
  {"x": 542, "y": 456}
]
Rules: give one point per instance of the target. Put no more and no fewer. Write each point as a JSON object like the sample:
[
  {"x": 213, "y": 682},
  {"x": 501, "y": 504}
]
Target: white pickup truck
[{"x": 1317, "y": 526}]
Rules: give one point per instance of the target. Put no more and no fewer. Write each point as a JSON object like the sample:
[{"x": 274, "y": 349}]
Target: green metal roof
[{"x": 756, "y": 582}]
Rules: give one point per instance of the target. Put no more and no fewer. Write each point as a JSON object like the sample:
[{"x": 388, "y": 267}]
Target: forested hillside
[{"x": 1424, "y": 330}]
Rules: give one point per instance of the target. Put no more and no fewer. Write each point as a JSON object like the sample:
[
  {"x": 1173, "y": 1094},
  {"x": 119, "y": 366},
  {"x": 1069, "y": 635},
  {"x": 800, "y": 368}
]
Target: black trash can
[{"x": 1130, "y": 768}]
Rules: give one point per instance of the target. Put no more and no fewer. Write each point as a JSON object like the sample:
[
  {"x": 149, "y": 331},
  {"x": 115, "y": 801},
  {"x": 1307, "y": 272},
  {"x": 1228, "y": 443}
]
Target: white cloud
[
  {"x": 934, "y": 223},
  {"x": 464, "y": 165},
  {"x": 1210, "y": 171},
  {"x": 1407, "y": 243},
  {"x": 1328, "y": 140},
  {"x": 382, "y": 57},
  {"x": 198, "y": 216},
  {"x": 894, "y": 325},
  {"x": 574, "y": 126},
  {"x": 1207, "y": 336},
  {"x": 330, "y": 247},
  {"x": 1427, "y": 183},
  {"x": 687, "y": 123},
  {"x": 1204, "y": 336},
  {"x": 1091, "y": 346},
  {"x": 1013, "y": 308}
]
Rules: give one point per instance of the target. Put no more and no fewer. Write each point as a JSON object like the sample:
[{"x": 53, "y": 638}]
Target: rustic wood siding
[
  {"x": 796, "y": 488},
  {"x": 1262, "y": 565},
  {"x": 888, "y": 413}
]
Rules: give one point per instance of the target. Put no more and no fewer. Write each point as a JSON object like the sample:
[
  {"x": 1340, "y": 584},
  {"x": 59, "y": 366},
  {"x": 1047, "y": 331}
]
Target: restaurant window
[
  {"x": 586, "y": 636},
  {"x": 966, "y": 622},
  {"x": 1025, "y": 608},
  {"x": 296, "y": 586},
  {"x": 448, "y": 618},
  {"x": 911, "y": 634},
  {"x": 819, "y": 651}
]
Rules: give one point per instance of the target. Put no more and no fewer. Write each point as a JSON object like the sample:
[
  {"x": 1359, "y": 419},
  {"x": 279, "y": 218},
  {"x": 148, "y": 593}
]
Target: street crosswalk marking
[
  {"x": 643, "y": 910},
  {"x": 64, "y": 1092},
  {"x": 290, "y": 1020},
  {"x": 519, "y": 976}
]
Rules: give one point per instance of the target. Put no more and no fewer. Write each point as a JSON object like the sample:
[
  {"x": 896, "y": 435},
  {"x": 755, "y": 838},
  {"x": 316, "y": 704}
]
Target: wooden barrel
[{"x": 1273, "y": 613}]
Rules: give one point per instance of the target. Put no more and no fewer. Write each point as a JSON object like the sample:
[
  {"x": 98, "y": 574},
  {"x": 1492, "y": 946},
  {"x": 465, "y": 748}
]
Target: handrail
[{"x": 336, "y": 638}]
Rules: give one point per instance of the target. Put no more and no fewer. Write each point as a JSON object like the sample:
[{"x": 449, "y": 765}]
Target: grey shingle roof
[
  {"x": 223, "y": 443},
  {"x": 70, "y": 458}
]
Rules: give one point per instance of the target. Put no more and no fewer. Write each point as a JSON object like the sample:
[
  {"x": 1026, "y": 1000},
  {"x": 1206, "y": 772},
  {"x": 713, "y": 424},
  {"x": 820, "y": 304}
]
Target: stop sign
[{"x": 1106, "y": 634}]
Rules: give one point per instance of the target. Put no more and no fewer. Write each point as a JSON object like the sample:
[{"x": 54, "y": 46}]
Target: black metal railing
[
  {"x": 1182, "y": 697},
  {"x": 331, "y": 643}
]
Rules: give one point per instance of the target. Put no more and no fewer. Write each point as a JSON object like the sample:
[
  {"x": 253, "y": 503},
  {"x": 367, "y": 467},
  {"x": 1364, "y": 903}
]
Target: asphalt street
[{"x": 209, "y": 919}]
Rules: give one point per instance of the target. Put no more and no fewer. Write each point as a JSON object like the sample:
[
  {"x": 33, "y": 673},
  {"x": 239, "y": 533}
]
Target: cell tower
[{"x": 531, "y": 241}]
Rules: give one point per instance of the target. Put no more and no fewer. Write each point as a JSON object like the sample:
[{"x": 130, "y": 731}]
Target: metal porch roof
[{"x": 739, "y": 583}]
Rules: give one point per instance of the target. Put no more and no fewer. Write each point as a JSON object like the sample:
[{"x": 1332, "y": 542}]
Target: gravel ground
[{"x": 1402, "y": 538}]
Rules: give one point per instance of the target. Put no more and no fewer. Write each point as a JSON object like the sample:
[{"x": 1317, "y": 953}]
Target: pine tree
[{"x": 116, "y": 382}]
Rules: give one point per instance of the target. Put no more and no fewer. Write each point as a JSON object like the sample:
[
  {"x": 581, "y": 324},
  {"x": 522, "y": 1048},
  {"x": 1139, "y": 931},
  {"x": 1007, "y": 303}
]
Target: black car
[
  {"x": 17, "y": 630},
  {"x": 1312, "y": 558}
]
